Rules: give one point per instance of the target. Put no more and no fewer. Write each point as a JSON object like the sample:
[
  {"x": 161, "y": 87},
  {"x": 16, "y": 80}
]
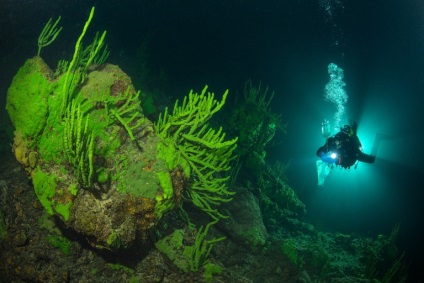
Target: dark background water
[{"x": 287, "y": 45}]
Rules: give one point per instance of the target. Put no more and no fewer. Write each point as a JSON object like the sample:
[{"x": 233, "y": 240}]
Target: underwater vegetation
[
  {"x": 189, "y": 199},
  {"x": 97, "y": 162}
]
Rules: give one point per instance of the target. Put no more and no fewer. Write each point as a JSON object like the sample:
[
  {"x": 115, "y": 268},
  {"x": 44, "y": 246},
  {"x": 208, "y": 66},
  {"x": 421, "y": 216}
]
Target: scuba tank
[{"x": 325, "y": 129}]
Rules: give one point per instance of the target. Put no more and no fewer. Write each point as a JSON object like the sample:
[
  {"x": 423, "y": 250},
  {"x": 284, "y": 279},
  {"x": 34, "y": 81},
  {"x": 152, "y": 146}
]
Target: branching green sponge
[
  {"x": 79, "y": 143},
  {"x": 198, "y": 254},
  {"x": 129, "y": 114},
  {"x": 48, "y": 34},
  {"x": 190, "y": 258},
  {"x": 187, "y": 139},
  {"x": 77, "y": 69}
]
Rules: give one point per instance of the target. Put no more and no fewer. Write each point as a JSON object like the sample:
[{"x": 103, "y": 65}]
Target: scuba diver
[{"x": 344, "y": 148}]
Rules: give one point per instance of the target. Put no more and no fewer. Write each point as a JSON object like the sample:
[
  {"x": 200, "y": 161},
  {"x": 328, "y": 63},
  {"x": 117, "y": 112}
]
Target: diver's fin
[{"x": 366, "y": 158}]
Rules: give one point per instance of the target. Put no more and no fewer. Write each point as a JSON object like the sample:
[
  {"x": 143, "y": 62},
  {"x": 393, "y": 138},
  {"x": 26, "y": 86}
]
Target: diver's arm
[
  {"x": 320, "y": 150},
  {"x": 323, "y": 148},
  {"x": 366, "y": 157},
  {"x": 329, "y": 144}
]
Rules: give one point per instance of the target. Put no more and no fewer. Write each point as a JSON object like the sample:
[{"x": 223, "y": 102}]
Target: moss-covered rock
[
  {"x": 245, "y": 224},
  {"x": 3, "y": 231},
  {"x": 27, "y": 97},
  {"x": 61, "y": 243},
  {"x": 172, "y": 246},
  {"x": 110, "y": 186}
]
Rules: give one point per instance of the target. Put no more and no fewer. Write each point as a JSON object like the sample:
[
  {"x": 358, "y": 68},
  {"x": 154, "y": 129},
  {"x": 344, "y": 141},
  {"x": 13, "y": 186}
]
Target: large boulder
[
  {"x": 95, "y": 164},
  {"x": 245, "y": 224}
]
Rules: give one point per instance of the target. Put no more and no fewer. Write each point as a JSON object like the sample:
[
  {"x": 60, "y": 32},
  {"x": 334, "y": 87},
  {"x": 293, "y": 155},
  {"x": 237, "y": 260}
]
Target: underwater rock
[
  {"x": 245, "y": 224},
  {"x": 94, "y": 164},
  {"x": 351, "y": 280},
  {"x": 20, "y": 239}
]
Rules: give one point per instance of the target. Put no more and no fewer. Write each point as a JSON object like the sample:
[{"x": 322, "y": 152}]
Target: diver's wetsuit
[{"x": 346, "y": 146}]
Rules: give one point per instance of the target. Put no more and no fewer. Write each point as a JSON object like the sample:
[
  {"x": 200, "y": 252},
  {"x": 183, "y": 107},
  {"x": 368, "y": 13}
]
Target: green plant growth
[
  {"x": 164, "y": 202},
  {"x": 210, "y": 270},
  {"x": 48, "y": 34},
  {"x": 198, "y": 253},
  {"x": 188, "y": 141},
  {"x": 382, "y": 252},
  {"x": 255, "y": 124},
  {"x": 96, "y": 52},
  {"x": 128, "y": 114},
  {"x": 78, "y": 143},
  {"x": 118, "y": 266},
  {"x": 318, "y": 257},
  {"x": 61, "y": 243},
  {"x": 258, "y": 124},
  {"x": 84, "y": 129},
  {"x": 397, "y": 272},
  {"x": 135, "y": 279},
  {"x": 190, "y": 258},
  {"x": 81, "y": 60},
  {"x": 45, "y": 186},
  {"x": 278, "y": 171},
  {"x": 61, "y": 68},
  {"x": 288, "y": 247}
]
